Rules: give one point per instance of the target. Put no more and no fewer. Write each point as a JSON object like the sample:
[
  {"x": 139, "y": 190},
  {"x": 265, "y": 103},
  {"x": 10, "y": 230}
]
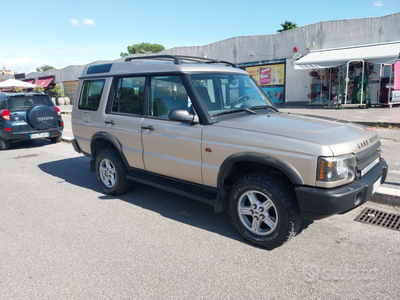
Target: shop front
[
  {"x": 270, "y": 76},
  {"x": 353, "y": 76}
]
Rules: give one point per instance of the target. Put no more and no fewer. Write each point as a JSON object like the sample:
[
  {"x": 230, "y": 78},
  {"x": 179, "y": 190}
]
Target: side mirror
[{"x": 182, "y": 115}]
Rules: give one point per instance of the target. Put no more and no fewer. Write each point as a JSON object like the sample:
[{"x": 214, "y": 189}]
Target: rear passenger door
[
  {"x": 125, "y": 117},
  {"x": 170, "y": 148}
]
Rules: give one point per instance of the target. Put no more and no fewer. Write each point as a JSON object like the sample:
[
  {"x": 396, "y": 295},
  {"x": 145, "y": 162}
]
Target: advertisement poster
[
  {"x": 271, "y": 78},
  {"x": 268, "y": 74}
]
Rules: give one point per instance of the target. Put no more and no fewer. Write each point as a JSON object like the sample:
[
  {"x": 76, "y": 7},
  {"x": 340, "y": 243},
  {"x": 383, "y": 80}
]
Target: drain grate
[{"x": 379, "y": 218}]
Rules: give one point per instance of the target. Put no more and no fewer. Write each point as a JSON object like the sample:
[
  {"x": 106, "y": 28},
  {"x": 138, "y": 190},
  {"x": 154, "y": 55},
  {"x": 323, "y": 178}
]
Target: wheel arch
[
  {"x": 101, "y": 140},
  {"x": 249, "y": 162},
  {"x": 240, "y": 164}
]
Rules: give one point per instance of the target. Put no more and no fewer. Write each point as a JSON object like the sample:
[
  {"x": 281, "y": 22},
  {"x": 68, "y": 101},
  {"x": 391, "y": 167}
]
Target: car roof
[{"x": 161, "y": 64}]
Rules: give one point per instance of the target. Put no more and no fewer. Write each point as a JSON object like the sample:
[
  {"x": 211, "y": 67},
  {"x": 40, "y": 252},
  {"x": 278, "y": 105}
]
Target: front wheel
[
  {"x": 263, "y": 209},
  {"x": 111, "y": 172}
]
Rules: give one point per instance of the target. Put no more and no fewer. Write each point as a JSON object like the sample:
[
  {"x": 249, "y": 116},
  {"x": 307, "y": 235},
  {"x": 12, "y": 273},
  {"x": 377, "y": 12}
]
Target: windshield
[{"x": 227, "y": 93}]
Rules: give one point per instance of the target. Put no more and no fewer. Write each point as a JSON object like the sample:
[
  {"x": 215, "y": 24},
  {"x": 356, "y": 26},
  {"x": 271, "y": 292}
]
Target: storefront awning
[
  {"x": 44, "y": 81},
  {"x": 383, "y": 53},
  {"x": 29, "y": 80}
]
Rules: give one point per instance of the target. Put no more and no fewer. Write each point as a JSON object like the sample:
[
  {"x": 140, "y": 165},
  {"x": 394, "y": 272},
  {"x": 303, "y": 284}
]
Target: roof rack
[{"x": 179, "y": 59}]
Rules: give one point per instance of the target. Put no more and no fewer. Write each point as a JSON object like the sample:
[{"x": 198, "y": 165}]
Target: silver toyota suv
[{"x": 203, "y": 129}]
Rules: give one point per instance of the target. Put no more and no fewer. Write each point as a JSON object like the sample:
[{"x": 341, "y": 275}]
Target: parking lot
[{"x": 62, "y": 238}]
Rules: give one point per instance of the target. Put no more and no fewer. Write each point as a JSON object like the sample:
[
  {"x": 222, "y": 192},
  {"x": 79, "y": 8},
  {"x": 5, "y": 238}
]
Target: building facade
[{"x": 271, "y": 58}]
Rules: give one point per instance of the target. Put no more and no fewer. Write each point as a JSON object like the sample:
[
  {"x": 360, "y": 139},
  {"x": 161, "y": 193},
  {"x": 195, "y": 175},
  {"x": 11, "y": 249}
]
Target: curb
[
  {"x": 67, "y": 139},
  {"x": 386, "y": 196}
]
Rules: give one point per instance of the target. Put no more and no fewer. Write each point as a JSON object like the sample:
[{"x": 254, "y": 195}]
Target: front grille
[
  {"x": 367, "y": 159},
  {"x": 379, "y": 218}
]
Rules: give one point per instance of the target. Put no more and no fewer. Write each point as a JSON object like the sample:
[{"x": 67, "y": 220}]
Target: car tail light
[
  {"x": 58, "y": 111},
  {"x": 5, "y": 114}
]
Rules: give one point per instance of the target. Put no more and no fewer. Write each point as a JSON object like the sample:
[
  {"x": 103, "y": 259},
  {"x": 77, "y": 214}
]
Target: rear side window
[
  {"x": 91, "y": 94},
  {"x": 128, "y": 97}
]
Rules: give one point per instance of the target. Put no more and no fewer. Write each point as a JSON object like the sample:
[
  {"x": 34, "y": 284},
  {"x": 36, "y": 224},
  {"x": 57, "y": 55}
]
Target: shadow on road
[
  {"x": 178, "y": 208},
  {"x": 27, "y": 144},
  {"x": 73, "y": 170}
]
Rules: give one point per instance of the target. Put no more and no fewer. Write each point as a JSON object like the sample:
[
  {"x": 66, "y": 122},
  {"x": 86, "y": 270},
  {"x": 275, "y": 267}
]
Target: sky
[{"x": 77, "y": 32}]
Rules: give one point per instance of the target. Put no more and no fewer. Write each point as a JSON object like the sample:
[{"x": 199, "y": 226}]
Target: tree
[
  {"x": 44, "y": 68},
  {"x": 287, "y": 26},
  {"x": 38, "y": 88},
  {"x": 57, "y": 92},
  {"x": 143, "y": 48}
]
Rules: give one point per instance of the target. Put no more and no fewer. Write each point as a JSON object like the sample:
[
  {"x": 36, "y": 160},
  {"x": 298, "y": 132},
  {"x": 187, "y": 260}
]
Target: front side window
[
  {"x": 128, "y": 97},
  {"x": 91, "y": 94},
  {"x": 166, "y": 93},
  {"x": 223, "y": 93}
]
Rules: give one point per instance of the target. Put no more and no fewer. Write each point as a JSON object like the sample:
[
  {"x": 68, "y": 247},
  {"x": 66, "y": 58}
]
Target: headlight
[{"x": 335, "y": 169}]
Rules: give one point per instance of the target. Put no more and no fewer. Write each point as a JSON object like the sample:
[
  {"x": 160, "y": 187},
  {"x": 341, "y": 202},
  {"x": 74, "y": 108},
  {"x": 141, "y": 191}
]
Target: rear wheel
[
  {"x": 111, "y": 172},
  {"x": 264, "y": 210},
  {"x": 56, "y": 139},
  {"x": 4, "y": 144}
]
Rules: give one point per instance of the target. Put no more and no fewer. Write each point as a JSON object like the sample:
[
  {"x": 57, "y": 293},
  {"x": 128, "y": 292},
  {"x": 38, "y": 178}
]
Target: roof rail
[{"x": 179, "y": 59}]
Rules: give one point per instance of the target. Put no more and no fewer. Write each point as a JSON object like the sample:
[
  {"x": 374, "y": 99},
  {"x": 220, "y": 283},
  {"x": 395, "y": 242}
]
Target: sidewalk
[{"x": 386, "y": 119}]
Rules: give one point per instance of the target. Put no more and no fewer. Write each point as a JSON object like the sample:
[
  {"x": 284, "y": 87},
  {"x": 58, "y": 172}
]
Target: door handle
[
  {"x": 149, "y": 127},
  {"x": 111, "y": 122}
]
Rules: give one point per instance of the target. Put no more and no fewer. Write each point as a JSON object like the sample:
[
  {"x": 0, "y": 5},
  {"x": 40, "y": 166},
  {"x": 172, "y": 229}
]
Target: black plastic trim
[
  {"x": 284, "y": 167},
  {"x": 75, "y": 144},
  {"x": 179, "y": 59},
  {"x": 318, "y": 203},
  {"x": 110, "y": 138},
  {"x": 187, "y": 189}
]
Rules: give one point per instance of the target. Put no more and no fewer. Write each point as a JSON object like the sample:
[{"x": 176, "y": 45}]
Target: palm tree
[{"x": 287, "y": 26}]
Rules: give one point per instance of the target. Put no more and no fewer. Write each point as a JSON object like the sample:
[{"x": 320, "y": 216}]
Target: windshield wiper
[
  {"x": 234, "y": 111},
  {"x": 262, "y": 107}
]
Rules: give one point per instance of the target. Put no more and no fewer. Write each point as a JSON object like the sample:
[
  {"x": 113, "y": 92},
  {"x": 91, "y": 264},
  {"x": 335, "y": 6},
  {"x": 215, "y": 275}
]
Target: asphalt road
[{"x": 62, "y": 238}]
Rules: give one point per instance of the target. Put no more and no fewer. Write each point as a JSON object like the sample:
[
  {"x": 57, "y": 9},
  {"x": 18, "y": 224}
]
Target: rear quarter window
[{"x": 90, "y": 96}]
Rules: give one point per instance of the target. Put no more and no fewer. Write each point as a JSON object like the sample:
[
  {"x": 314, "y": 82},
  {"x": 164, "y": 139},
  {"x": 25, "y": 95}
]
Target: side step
[{"x": 199, "y": 193}]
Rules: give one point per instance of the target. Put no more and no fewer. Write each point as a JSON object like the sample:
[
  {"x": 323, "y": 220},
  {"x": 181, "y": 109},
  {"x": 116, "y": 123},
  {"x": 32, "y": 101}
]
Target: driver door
[{"x": 171, "y": 148}]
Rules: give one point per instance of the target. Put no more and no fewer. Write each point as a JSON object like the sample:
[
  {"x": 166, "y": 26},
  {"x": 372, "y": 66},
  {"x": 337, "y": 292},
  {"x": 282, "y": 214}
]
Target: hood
[{"x": 341, "y": 136}]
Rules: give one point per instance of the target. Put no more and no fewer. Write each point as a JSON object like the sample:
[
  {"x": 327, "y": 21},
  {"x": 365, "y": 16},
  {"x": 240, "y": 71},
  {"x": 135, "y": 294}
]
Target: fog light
[{"x": 358, "y": 199}]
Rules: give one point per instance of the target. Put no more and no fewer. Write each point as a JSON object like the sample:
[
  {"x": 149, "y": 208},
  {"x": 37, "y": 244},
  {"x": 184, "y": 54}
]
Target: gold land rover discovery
[{"x": 204, "y": 129}]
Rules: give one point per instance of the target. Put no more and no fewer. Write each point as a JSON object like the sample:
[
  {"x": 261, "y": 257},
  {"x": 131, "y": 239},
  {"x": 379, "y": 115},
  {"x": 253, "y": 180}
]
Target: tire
[
  {"x": 264, "y": 210},
  {"x": 4, "y": 144},
  {"x": 111, "y": 172},
  {"x": 56, "y": 139}
]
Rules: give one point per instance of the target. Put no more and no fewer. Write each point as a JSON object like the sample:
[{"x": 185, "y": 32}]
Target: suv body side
[{"x": 201, "y": 131}]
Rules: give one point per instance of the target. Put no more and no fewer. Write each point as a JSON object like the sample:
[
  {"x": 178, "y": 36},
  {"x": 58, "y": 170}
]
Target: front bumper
[{"x": 318, "y": 203}]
